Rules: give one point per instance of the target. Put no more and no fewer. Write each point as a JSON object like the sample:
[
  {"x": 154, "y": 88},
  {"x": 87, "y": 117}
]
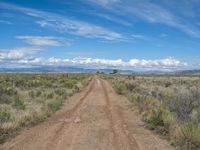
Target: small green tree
[{"x": 115, "y": 71}]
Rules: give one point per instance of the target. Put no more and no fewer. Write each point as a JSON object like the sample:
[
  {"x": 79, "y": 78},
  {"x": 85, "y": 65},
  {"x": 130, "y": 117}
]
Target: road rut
[{"x": 94, "y": 119}]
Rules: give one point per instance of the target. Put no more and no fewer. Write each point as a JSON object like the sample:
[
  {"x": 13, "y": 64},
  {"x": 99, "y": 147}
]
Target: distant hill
[
  {"x": 48, "y": 69},
  {"x": 58, "y": 69},
  {"x": 188, "y": 72},
  {"x": 63, "y": 69}
]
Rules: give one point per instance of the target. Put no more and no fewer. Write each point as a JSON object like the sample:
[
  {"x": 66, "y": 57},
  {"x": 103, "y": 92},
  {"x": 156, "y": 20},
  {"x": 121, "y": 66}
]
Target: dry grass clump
[{"x": 26, "y": 99}]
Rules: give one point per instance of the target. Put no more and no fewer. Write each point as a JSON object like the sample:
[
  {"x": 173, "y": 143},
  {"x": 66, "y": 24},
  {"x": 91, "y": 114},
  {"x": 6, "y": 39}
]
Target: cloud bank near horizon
[{"x": 23, "y": 57}]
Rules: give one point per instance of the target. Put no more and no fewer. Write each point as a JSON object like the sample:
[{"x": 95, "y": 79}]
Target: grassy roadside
[
  {"x": 170, "y": 105},
  {"x": 27, "y": 99}
]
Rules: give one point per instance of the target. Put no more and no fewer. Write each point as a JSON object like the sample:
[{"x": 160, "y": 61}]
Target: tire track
[
  {"x": 109, "y": 114},
  {"x": 123, "y": 126},
  {"x": 78, "y": 126},
  {"x": 132, "y": 141}
]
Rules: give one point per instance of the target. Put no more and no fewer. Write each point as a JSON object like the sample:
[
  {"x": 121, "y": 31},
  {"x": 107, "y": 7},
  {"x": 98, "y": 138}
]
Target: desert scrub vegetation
[
  {"x": 26, "y": 99},
  {"x": 168, "y": 104}
]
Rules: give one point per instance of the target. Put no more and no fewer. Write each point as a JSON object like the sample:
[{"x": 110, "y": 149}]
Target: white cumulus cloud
[{"x": 158, "y": 64}]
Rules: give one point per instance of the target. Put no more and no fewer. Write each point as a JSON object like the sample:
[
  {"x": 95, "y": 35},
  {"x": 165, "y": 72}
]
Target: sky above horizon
[{"x": 124, "y": 34}]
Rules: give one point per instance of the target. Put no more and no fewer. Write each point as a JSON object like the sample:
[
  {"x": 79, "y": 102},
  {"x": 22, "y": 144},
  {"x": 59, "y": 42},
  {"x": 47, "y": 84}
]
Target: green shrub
[
  {"x": 60, "y": 92},
  {"x": 120, "y": 88},
  {"x": 4, "y": 115},
  {"x": 189, "y": 137},
  {"x": 50, "y": 95},
  {"x": 154, "y": 117},
  {"x": 76, "y": 88},
  {"x": 31, "y": 94},
  {"x": 18, "y": 103},
  {"x": 170, "y": 121},
  {"x": 38, "y": 93},
  {"x": 5, "y": 99},
  {"x": 54, "y": 105},
  {"x": 130, "y": 86},
  {"x": 6, "y": 94},
  {"x": 70, "y": 83},
  {"x": 136, "y": 98}
]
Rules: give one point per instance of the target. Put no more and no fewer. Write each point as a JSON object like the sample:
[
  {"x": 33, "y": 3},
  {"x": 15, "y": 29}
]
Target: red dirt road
[{"x": 94, "y": 119}]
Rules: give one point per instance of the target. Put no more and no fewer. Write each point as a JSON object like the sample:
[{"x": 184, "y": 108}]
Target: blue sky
[{"x": 125, "y": 34}]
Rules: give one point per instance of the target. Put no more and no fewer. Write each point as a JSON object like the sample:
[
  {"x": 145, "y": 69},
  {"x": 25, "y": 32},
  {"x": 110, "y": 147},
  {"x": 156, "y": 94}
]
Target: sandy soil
[{"x": 94, "y": 119}]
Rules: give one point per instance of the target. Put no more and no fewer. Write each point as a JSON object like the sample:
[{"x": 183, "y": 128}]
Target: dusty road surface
[{"x": 94, "y": 119}]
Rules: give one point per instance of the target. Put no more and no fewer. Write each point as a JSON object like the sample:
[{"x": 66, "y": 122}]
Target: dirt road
[{"x": 94, "y": 119}]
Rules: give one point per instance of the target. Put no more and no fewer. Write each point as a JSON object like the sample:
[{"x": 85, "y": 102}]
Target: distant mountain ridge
[
  {"x": 189, "y": 72},
  {"x": 86, "y": 70},
  {"x": 63, "y": 69},
  {"x": 55, "y": 69},
  {"x": 45, "y": 69}
]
